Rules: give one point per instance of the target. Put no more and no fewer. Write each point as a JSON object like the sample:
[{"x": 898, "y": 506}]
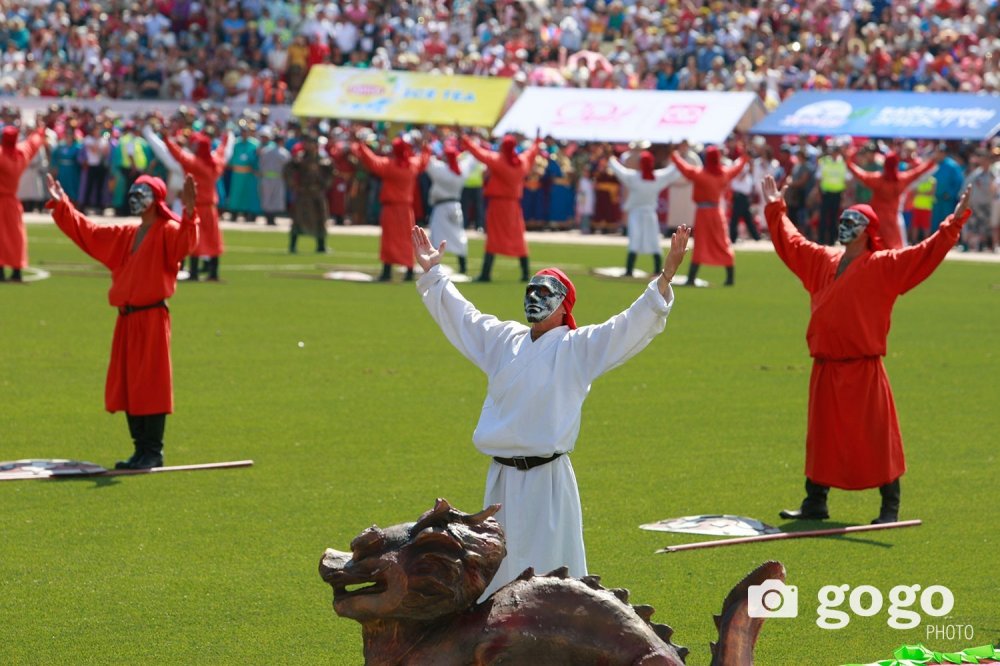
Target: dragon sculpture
[{"x": 413, "y": 587}]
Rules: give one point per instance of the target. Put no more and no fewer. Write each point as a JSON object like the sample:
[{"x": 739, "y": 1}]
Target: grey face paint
[
  {"x": 542, "y": 297},
  {"x": 851, "y": 224},
  {"x": 140, "y": 197}
]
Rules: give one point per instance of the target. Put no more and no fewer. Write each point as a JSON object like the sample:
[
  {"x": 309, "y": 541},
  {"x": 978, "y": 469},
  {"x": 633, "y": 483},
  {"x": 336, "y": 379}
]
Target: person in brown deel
[
  {"x": 308, "y": 177},
  {"x": 143, "y": 260}
]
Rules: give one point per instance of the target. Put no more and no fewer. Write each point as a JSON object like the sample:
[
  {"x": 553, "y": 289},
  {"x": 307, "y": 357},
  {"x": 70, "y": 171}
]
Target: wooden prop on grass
[
  {"x": 789, "y": 535},
  {"x": 64, "y": 469}
]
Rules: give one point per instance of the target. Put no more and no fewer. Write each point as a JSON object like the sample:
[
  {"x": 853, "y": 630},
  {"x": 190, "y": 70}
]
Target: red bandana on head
[
  {"x": 401, "y": 152},
  {"x": 159, "y": 195},
  {"x": 201, "y": 145},
  {"x": 570, "y": 299},
  {"x": 874, "y": 239},
  {"x": 451, "y": 157},
  {"x": 9, "y": 140},
  {"x": 713, "y": 161},
  {"x": 507, "y": 149},
  {"x": 646, "y": 165},
  {"x": 890, "y": 168}
]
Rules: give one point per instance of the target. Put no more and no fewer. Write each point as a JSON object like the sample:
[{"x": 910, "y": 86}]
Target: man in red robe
[
  {"x": 711, "y": 240},
  {"x": 14, "y": 159},
  {"x": 143, "y": 260},
  {"x": 887, "y": 187},
  {"x": 206, "y": 166},
  {"x": 853, "y": 439},
  {"x": 399, "y": 182},
  {"x": 504, "y": 217}
]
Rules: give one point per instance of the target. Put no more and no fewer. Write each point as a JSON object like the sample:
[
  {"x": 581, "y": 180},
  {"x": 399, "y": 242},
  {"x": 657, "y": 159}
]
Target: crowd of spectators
[{"x": 261, "y": 50}]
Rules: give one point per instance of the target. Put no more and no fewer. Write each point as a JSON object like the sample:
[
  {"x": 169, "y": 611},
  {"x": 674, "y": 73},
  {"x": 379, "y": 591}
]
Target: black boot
[
  {"x": 270, "y": 221},
  {"x": 525, "y": 270},
  {"x": 409, "y": 275},
  {"x": 193, "y": 269},
  {"x": 213, "y": 269},
  {"x": 15, "y": 275},
  {"x": 386, "y": 273},
  {"x": 692, "y": 274},
  {"x": 135, "y": 431},
  {"x": 629, "y": 264},
  {"x": 890, "y": 504},
  {"x": 730, "y": 276},
  {"x": 484, "y": 274},
  {"x": 151, "y": 443},
  {"x": 813, "y": 506},
  {"x": 3, "y": 278},
  {"x": 657, "y": 264},
  {"x": 293, "y": 241},
  {"x": 462, "y": 265},
  {"x": 321, "y": 245}
]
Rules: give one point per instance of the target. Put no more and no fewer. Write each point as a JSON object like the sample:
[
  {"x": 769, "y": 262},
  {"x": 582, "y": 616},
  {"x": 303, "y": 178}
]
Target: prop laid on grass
[
  {"x": 19, "y": 470},
  {"x": 712, "y": 525},
  {"x": 790, "y": 535},
  {"x": 618, "y": 273},
  {"x": 353, "y": 275},
  {"x": 413, "y": 587},
  {"x": 911, "y": 655}
]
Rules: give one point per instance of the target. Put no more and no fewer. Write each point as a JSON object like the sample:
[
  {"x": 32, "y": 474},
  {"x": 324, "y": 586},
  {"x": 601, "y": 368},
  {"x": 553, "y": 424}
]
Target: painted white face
[
  {"x": 851, "y": 224},
  {"x": 542, "y": 297},
  {"x": 140, "y": 197}
]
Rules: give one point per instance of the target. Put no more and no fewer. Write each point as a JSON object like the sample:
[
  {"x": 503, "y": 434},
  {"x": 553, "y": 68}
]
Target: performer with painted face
[
  {"x": 853, "y": 440},
  {"x": 14, "y": 160},
  {"x": 539, "y": 376},
  {"x": 143, "y": 260},
  {"x": 399, "y": 182},
  {"x": 504, "y": 217}
]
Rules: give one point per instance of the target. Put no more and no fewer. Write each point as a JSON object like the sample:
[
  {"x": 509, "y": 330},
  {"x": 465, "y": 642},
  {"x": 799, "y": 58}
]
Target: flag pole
[{"x": 789, "y": 535}]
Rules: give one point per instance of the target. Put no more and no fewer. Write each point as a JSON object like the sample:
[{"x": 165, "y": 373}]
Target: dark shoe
[
  {"x": 127, "y": 464},
  {"x": 886, "y": 517},
  {"x": 809, "y": 514},
  {"x": 147, "y": 461},
  {"x": 482, "y": 278}
]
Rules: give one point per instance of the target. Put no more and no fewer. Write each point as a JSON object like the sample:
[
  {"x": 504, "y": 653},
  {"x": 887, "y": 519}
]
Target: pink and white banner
[{"x": 586, "y": 114}]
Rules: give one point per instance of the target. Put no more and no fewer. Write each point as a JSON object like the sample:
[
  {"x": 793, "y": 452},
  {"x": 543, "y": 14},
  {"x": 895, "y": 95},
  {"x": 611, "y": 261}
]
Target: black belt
[
  {"x": 129, "y": 309},
  {"x": 524, "y": 463},
  {"x": 444, "y": 201}
]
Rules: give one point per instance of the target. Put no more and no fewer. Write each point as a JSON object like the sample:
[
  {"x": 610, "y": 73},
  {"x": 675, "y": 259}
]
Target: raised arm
[
  {"x": 159, "y": 149},
  {"x": 107, "y": 243},
  {"x": 686, "y": 169},
  {"x": 869, "y": 179},
  {"x": 32, "y": 144},
  {"x": 531, "y": 155},
  {"x": 224, "y": 151},
  {"x": 423, "y": 160},
  {"x": 466, "y": 163},
  {"x": 183, "y": 157},
  {"x": 734, "y": 170},
  {"x": 372, "y": 162},
  {"x": 910, "y": 176},
  {"x": 666, "y": 176},
  {"x": 487, "y": 157},
  {"x": 620, "y": 170},
  {"x": 803, "y": 257}
]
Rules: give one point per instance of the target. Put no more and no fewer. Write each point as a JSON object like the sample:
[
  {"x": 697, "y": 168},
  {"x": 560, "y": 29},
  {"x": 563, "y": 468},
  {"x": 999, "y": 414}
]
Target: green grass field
[{"x": 372, "y": 420}]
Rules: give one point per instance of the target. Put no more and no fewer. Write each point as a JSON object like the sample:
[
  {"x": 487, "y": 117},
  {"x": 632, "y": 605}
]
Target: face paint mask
[
  {"x": 140, "y": 197},
  {"x": 851, "y": 224},
  {"x": 542, "y": 297}
]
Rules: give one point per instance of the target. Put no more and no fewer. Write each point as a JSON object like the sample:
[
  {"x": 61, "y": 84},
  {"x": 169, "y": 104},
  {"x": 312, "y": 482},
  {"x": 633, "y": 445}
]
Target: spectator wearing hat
[
  {"x": 15, "y": 158},
  {"x": 853, "y": 440}
]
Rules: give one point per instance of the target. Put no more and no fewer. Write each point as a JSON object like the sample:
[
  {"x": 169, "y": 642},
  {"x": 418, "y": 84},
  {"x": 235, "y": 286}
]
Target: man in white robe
[
  {"x": 538, "y": 378},
  {"x": 448, "y": 178},
  {"x": 643, "y": 186}
]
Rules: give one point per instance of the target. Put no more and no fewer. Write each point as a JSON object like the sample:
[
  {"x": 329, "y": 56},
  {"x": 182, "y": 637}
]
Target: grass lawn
[{"x": 372, "y": 419}]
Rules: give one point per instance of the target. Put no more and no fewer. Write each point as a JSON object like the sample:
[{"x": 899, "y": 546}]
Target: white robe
[
  {"x": 175, "y": 173},
  {"x": 533, "y": 407},
  {"x": 445, "y": 197},
  {"x": 640, "y": 204}
]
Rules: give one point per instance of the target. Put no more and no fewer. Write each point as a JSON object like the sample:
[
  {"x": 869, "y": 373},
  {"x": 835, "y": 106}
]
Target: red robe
[
  {"x": 853, "y": 439},
  {"x": 343, "y": 174},
  {"x": 139, "y": 375},
  {"x": 399, "y": 182},
  {"x": 13, "y": 238},
  {"x": 206, "y": 176},
  {"x": 886, "y": 195},
  {"x": 504, "y": 217},
  {"x": 711, "y": 234}
]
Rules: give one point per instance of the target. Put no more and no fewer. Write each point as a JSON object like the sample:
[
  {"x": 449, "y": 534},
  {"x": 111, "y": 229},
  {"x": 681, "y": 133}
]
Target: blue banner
[{"x": 886, "y": 115}]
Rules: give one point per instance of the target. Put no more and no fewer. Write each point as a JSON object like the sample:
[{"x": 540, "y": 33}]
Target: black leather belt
[
  {"x": 524, "y": 463},
  {"x": 129, "y": 309}
]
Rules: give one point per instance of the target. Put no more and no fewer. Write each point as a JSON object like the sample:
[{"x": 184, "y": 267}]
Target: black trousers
[
  {"x": 741, "y": 211},
  {"x": 94, "y": 194},
  {"x": 829, "y": 214}
]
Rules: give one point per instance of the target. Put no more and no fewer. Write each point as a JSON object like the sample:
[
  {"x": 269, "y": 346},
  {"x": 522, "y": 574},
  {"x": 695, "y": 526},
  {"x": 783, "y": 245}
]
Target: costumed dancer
[
  {"x": 887, "y": 187},
  {"x": 175, "y": 172},
  {"x": 643, "y": 187},
  {"x": 711, "y": 240},
  {"x": 503, "y": 191},
  {"x": 207, "y": 166},
  {"x": 538, "y": 377},
  {"x": 447, "y": 222},
  {"x": 14, "y": 160},
  {"x": 308, "y": 176},
  {"x": 143, "y": 260},
  {"x": 853, "y": 440},
  {"x": 399, "y": 181}
]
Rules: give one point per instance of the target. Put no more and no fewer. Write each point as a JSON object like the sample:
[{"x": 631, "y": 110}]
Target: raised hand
[
  {"x": 963, "y": 203},
  {"x": 769, "y": 190},
  {"x": 188, "y": 194},
  {"x": 678, "y": 248},
  {"x": 55, "y": 189},
  {"x": 425, "y": 253}
]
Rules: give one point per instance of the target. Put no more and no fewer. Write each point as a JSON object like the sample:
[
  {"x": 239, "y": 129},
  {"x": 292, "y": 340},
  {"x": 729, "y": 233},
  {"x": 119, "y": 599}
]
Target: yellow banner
[{"x": 406, "y": 97}]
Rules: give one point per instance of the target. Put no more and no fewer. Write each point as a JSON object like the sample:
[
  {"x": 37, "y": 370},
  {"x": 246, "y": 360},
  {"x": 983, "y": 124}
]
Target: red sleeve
[
  {"x": 869, "y": 179},
  {"x": 688, "y": 171},
  {"x": 374, "y": 163},
  {"x": 734, "y": 170},
  {"x": 105, "y": 243},
  {"x": 530, "y": 156},
  {"x": 182, "y": 242},
  {"x": 220, "y": 151},
  {"x": 487, "y": 157},
  {"x": 183, "y": 157},
  {"x": 907, "y": 268},
  {"x": 31, "y": 145},
  {"x": 907, "y": 177},
  {"x": 803, "y": 257}
]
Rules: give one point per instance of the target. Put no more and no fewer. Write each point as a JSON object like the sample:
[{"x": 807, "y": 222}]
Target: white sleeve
[
  {"x": 230, "y": 146},
  {"x": 472, "y": 333},
  {"x": 466, "y": 163},
  {"x": 603, "y": 347},
  {"x": 667, "y": 175},
  {"x": 621, "y": 173},
  {"x": 160, "y": 149}
]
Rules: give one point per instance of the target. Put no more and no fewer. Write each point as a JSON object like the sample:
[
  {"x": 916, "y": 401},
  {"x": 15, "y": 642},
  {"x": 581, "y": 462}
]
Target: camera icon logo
[{"x": 773, "y": 598}]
